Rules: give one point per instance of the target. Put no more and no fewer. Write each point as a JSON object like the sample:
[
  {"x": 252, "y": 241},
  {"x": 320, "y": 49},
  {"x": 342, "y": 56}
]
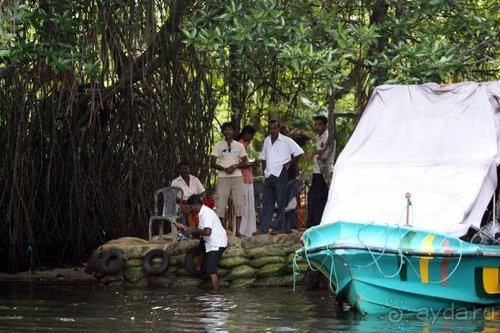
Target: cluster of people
[{"x": 235, "y": 180}]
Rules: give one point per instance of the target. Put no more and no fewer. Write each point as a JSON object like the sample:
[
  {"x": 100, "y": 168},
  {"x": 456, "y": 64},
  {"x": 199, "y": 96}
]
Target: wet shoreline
[{"x": 76, "y": 274}]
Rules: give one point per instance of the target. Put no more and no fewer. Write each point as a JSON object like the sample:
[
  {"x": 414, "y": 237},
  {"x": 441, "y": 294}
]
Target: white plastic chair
[{"x": 171, "y": 198}]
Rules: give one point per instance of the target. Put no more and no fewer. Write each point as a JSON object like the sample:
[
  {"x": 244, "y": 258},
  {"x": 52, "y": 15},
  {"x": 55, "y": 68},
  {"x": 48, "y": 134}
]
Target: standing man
[
  {"x": 318, "y": 192},
  {"x": 228, "y": 156},
  {"x": 248, "y": 221},
  {"x": 278, "y": 153},
  {"x": 214, "y": 237},
  {"x": 190, "y": 185}
]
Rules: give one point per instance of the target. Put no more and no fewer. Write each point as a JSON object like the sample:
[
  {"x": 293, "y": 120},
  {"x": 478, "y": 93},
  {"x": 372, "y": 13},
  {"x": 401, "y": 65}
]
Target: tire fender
[
  {"x": 155, "y": 269},
  {"x": 191, "y": 258},
  {"x": 111, "y": 262}
]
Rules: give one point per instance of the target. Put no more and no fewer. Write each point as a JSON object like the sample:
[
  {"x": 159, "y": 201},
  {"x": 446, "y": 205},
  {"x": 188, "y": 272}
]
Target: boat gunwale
[{"x": 477, "y": 253}]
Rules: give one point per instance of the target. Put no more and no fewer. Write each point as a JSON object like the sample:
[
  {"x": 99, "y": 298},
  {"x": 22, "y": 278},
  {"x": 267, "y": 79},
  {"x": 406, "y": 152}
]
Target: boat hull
[{"x": 379, "y": 268}]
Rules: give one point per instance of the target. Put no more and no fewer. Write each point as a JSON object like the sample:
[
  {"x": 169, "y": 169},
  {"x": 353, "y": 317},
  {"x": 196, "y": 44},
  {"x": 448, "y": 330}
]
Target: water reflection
[
  {"x": 214, "y": 312},
  {"x": 71, "y": 307}
]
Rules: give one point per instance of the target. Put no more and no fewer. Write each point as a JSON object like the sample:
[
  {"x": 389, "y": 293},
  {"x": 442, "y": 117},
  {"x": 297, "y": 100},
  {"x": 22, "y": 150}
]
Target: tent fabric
[{"x": 438, "y": 143}]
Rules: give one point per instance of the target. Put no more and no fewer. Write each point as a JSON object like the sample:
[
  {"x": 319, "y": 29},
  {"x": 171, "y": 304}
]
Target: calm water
[{"x": 63, "y": 307}]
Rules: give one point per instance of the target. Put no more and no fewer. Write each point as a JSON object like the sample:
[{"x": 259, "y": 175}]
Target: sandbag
[
  {"x": 242, "y": 271},
  {"x": 135, "y": 252},
  {"x": 256, "y": 241},
  {"x": 269, "y": 250},
  {"x": 127, "y": 241},
  {"x": 261, "y": 261},
  {"x": 221, "y": 272},
  {"x": 231, "y": 262},
  {"x": 182, "y": 247},
  {"x": 234, "y": 251},
  {"x": 281, "y": 281},
  {"x": 291, "y": 239},
  {"x": 271, "y": 269},
  {"x": 178, "y": 260},
  {"x": 134, "y": 262},
  {"x": 242, "y": 282},
  {"x": 133, "y": 274},
  {"x": 292, "y": 248},
  {"x": 302, "y": 267}
]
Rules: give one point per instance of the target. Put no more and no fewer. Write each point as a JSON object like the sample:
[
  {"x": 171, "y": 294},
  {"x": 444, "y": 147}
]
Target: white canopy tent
[{"x": 439, "y": 143}]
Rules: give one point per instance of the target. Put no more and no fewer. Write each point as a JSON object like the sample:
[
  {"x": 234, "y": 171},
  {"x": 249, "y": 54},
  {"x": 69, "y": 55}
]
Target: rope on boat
[
  {"x": 402, "y": 257},
  {"x": 296, "y": 269},
  {"x": 452, "y": 271},
  {"x": 375, "y": 260}
]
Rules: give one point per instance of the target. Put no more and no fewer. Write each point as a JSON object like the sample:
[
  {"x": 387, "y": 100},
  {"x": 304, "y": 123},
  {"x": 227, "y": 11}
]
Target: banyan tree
[{"x": 100, "y": 99}]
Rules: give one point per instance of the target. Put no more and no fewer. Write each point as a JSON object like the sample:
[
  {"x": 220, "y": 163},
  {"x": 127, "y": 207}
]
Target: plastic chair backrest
[{"x": 171, "y": 195}]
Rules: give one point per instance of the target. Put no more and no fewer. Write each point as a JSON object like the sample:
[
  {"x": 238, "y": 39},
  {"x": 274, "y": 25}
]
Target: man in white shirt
[
  {"x": 214, "y": 236},
  {"x": 318, "y": 192},
  {"x": 228, "y": 156},
  {"x": 278, "y": 153},
  {"x": 188, "y": 183}
]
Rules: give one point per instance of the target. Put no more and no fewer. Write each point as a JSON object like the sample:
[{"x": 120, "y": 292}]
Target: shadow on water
[{"x": 62, "y": 307}]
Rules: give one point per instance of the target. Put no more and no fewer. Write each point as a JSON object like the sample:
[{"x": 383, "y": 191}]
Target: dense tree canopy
[{"x": 100, "y": 99}]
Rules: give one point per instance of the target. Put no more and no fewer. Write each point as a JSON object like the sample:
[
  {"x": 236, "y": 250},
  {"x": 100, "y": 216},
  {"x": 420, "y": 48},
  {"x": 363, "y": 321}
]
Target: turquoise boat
[
  {"x": 378, "y": 268},
  {"x": 415, "y": 178}
]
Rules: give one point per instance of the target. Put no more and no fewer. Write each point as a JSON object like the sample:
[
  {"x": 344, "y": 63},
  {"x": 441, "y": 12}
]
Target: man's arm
[
  {"x": 263, "y": 154},
  {"x": 194, "y": 231},
  {"x": 243, "y": 164},
  {"x": 296, "y": 152},
  {"x": 200, "y": 232},
  {"x": 213, "y": 163},
  {"x": 293, "y": 160}
]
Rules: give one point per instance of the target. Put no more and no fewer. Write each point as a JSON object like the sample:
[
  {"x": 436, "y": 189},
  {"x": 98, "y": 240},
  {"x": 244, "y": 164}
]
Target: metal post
[{"x": 408, "y": 204}]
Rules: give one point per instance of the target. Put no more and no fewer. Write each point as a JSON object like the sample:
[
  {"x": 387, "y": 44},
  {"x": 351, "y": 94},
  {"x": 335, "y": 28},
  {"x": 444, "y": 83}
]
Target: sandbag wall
[{"x": 263, "y": 260}]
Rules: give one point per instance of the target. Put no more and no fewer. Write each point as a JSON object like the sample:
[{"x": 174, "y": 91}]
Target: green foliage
[
  {"x": 313, "y": 47},
  {"x": 51, "y": 35}
]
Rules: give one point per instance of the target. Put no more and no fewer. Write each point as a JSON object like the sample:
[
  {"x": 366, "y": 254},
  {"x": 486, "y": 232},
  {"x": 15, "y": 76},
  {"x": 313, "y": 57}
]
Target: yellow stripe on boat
[
  {"x": 491, "y": 280},
  {"x": 424, "y": 261}
]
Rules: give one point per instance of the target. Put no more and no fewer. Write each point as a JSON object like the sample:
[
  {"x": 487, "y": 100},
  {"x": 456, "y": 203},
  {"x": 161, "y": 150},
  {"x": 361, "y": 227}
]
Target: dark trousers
[
  {"x": 316, "y": 200},
  {"x": 274, "y": 192},
  {"x": 212, "y": 258}
]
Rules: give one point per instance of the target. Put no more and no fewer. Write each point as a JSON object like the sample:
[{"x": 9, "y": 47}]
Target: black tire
[
  {"x": 155, "y": 269},
  {"x": 92, "y": 263},
  {"x": 191, "y": 258},
  {"x": 111, "y": 262}
]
